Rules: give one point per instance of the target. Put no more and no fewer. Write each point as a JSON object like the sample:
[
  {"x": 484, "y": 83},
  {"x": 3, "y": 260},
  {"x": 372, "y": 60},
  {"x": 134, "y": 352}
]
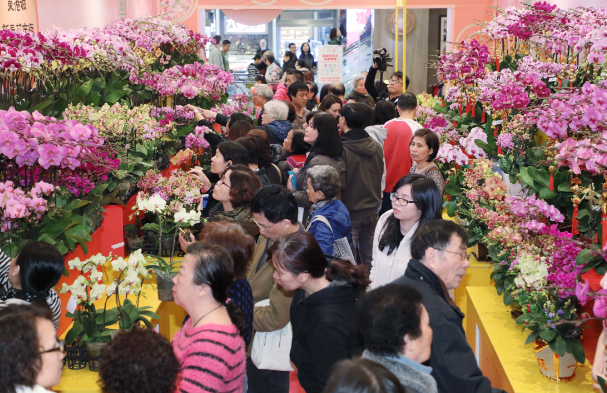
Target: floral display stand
[
  {"x": 499, "y": 346},
  {"x": 85, "y": 380}
]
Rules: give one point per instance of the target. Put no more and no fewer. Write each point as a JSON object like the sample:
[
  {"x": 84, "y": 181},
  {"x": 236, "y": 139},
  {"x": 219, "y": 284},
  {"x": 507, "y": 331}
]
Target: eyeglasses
[
  {"x": 262, "y": 228},
  {"x": 223, "y": 181},
  {"x": 59, "y": 348},
  {"x": 462, "y": 255},
  {"x": 400, "y": 201},
  {"x": 395, "y": 81}
]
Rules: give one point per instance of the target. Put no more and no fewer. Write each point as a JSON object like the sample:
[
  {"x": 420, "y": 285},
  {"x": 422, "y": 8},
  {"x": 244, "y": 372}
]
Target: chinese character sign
[
  {"x": 121, "y": 8},
  {"x": 18, "y": 15},
  {"x": 330, "y": 64}
]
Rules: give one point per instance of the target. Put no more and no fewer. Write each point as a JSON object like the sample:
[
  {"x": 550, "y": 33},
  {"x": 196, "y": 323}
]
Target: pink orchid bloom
[
  {"x": 600, "y": 304},
  {"x": 80, "y": 132},
  {"x": 581, "y": 291}
]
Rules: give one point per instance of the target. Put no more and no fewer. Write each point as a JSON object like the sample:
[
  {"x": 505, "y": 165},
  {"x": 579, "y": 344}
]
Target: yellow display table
[
  {"x": 500, "y": 349},
  {"x": 171, "y": 318},
  {"x": 477, "y": 275}
]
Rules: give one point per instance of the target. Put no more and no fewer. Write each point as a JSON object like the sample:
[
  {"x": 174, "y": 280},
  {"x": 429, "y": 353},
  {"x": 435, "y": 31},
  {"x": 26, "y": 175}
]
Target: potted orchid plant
[
  {"x": 174, "y": 203},
  {"x": 91, "y": 326}
]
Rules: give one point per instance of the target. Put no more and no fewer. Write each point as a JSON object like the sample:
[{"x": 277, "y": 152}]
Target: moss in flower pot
[
  {"x": 125, "y": 188},
  {"x": 95, "y": 350},
  {"x": 165, "y": 271},
  {"x": 167, "y": 244},
  {"x": 135, "y": 244},
  {"x": 515, "y": 310},
  {"x": 153, "y": 236}
]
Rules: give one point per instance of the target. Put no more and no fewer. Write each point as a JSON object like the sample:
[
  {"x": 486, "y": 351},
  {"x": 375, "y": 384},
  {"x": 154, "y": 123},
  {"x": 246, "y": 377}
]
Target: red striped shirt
[{"x": 212, "y": 357}]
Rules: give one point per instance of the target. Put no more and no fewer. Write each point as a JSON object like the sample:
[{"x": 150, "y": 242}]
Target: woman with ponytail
[
  {"x": 323, "y": 311},
  {"x": 210, "y": 346}
]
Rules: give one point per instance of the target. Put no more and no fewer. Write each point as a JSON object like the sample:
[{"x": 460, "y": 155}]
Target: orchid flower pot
[
  {"x": 94, "y": 354},
  {"x": 165, "y": 287},
  {"x": 559, "y": 369}
]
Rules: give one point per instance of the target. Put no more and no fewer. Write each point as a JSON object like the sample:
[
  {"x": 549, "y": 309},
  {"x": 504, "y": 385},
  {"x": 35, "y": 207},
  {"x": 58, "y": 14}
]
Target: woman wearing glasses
[
  {"x": 31, "y": 358},
  {"x": 234, "y": 191},
  {"x": 227, "y": 153},
  {"x": 415, "y": 200}
]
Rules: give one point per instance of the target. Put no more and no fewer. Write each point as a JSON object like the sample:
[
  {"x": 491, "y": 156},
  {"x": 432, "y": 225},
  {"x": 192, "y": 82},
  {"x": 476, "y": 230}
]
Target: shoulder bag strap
[
  {"x": 279, "y": 172},
  {"x": 322, "y": 219}
]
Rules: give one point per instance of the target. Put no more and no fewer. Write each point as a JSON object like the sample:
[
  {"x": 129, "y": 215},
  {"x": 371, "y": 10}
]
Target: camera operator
[{"x": 395, "y": 87}]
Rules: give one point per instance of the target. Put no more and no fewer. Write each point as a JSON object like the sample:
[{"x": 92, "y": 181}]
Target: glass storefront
[{"x": 298, "y": 26}]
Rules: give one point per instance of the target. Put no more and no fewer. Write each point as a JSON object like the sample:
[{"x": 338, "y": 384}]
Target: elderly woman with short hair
[
  {"x": 323, "y": 186},
  {"x": 359, "y": 92},
  {"x": 274, "y": 121}
]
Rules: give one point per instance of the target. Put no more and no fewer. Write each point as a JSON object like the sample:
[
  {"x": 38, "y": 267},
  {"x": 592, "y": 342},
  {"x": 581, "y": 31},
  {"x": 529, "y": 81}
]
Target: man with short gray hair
[
  {"x": 263, "y": 94},
  {"x": 439, "y": 262}
]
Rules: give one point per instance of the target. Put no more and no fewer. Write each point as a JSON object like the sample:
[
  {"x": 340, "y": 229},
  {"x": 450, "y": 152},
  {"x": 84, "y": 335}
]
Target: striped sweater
[{"x": 212, "y": 358}]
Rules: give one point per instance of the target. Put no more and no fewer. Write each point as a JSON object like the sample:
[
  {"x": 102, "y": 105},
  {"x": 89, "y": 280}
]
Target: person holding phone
[{"x": 227, "y": 153}]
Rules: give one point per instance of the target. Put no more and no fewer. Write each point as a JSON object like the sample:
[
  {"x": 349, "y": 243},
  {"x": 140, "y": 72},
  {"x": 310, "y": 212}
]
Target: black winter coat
[
  {"x": 324, "y": 332},
  {"x": 453, "y": 363}
]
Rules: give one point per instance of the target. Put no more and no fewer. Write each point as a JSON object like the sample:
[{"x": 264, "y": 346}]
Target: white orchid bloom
[
  {"x": 75, "y": 263},
  {"x": 182, "y": 215},
  {"x": 96, "y": 275},
  {"x": 110, "y": 289},
  {"x": 158, "y": 204},
  {"x": 119, "y": 264},
  {"x": 97, "y": 291}
]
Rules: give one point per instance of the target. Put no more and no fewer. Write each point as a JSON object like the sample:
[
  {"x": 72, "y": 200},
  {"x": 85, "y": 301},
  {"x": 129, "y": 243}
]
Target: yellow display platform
[
  {"x": 500, "y": 349},
  {"x": 477, "y": 275},
  {"x": 171, "y": 318}
]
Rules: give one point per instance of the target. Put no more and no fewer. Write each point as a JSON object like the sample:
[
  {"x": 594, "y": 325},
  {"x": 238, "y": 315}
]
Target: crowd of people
[{"x": 323, "y": 251}]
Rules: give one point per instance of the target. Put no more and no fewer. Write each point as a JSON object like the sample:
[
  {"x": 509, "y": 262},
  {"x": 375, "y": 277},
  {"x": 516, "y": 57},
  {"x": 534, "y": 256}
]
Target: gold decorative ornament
[{"x": 391, "y": 21}]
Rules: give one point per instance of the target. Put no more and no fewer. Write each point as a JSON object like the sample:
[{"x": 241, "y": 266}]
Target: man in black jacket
[
  {"x": 395, "y": 86},
  {"x": 361, "y": 189},
  {"x": 438, "y": 264}
]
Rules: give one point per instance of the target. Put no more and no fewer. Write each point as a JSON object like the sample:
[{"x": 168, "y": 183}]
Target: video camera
[{"x": 382, "y": 60}]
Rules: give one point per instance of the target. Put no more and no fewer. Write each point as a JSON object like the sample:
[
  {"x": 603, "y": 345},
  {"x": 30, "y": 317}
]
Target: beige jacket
[{"x": 276, "y": 315}]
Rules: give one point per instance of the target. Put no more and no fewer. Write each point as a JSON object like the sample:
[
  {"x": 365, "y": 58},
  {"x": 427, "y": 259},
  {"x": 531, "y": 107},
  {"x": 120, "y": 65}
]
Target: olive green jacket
[
  {"x": 241, "y": 215},
  {"x": 276, "y": 315}
]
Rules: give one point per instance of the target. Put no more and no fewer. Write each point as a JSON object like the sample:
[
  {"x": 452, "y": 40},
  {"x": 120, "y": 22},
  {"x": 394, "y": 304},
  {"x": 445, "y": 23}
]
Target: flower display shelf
[
  {"x": 79, "y": 357},
  {"x": 149, "y": 247},
  {"x": 503, "y": 356}
]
